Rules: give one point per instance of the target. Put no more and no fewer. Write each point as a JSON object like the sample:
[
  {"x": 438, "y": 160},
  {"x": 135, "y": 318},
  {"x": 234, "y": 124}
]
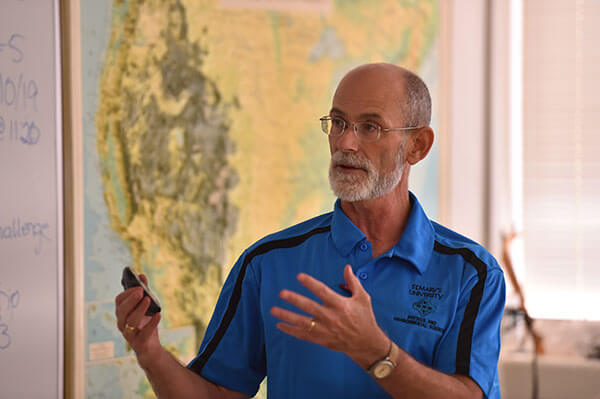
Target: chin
[
  {"x": 350, "y": 188},
  {"x": 349, "y": 192},
  {"x": 349, "y": 198}
]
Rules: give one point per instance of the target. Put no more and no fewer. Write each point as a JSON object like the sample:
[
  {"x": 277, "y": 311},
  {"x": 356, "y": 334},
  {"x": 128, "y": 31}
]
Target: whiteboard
[{"x": 31, "y": 215}]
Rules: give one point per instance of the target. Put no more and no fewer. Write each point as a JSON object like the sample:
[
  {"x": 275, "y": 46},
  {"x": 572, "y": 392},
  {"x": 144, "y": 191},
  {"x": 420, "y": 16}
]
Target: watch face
[{"x": 383, "y": 369}]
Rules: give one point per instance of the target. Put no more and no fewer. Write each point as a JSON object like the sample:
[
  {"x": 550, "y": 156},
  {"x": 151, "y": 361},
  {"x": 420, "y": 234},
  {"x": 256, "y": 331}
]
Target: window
[{"x": 557, "y": 178}]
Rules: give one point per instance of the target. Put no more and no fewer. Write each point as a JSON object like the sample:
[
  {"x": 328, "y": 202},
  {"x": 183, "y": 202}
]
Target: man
[{"x": 371, "y": 300}]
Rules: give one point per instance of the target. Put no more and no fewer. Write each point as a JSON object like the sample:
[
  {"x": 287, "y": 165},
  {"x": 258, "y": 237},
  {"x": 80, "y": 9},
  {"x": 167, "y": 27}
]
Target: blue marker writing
[
  {"x": 21, "y": 230},
  {"x": 8, "y": 302}
]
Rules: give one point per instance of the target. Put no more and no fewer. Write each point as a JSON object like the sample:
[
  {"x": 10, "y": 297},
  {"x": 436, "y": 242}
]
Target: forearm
[
  {"x": 411, "y": 379},
  {"x": 170, "y": 379}
]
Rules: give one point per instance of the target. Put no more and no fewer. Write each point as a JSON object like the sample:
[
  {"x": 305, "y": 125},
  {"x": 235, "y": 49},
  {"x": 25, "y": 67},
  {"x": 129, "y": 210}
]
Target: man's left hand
[{"x": 343, "y": 324}]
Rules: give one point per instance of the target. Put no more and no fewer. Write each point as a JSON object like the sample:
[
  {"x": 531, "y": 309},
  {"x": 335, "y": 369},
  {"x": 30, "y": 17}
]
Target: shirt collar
[
  {"x": 415, "y": 245},
  {"x": 344, "y": 233}
]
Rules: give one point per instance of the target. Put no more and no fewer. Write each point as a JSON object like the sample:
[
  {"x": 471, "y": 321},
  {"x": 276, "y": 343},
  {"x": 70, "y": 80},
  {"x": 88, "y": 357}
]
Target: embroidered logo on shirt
[
  {"x": 421, "y": 322},
  {"x": 425, "y": 291},
  {"x": 424, "y": 307}
]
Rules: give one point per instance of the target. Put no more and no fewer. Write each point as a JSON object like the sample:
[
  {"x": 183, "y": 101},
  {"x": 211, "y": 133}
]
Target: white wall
[
  {"x": 476, "y": 186},
  {"x": 465, "y": 177}
]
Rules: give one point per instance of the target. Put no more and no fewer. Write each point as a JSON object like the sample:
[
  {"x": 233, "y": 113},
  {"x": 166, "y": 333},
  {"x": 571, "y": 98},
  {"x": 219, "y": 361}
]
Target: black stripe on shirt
[
  {"x": 465, "y": 334},
  {"x": 201, "y": 360}
]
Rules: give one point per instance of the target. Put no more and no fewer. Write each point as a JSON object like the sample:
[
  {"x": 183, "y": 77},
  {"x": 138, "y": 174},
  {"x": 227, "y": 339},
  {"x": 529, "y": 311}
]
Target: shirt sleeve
[
  {"x": 232, "y": 353},
  {"x": 471, "y": 346}
]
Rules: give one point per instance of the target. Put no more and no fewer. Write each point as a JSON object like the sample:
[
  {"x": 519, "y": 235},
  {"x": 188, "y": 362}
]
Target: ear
[{"x": 418, "y": 145}]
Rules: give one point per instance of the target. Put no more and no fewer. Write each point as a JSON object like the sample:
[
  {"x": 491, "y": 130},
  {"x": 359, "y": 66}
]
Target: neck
[{"x": 382, "y": 219}]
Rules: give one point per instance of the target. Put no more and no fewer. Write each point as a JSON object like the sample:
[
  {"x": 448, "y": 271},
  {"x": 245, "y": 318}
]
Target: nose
[{"x": 347, "y": 142}]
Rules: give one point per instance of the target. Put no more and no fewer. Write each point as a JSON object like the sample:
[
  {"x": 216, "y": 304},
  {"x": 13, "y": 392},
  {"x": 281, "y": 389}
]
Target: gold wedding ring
[
  {"x": 313, "y": 323},
  {"x": 129, "y": 328}
]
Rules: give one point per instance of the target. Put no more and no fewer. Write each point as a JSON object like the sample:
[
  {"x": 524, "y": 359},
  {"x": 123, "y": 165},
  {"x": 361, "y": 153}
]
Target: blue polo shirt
[{"x": 437, "y": 294}]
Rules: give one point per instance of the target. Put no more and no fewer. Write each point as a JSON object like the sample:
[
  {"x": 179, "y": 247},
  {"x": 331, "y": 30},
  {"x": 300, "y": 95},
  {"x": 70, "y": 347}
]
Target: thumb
[
  {"x": 149, "y": 328},
  {"x": 352, "y": 281}
]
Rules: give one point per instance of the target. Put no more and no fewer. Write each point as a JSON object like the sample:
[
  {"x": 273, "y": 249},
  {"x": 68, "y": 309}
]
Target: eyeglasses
[{"x": 363, "y": 130}]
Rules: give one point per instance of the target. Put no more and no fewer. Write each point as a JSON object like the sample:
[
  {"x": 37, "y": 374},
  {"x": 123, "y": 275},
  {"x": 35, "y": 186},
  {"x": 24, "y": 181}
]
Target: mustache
[{"x": 350, "y": 159}]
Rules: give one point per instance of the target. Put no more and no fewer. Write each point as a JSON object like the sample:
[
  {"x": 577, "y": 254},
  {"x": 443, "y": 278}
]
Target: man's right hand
[
  {"x": 140, "y": 331},
  {"x": 168, "y": 377}
]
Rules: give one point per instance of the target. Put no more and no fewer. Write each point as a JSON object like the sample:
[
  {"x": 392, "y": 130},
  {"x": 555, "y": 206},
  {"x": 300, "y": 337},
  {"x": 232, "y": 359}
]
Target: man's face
[
  {"x": 364, "y": 170},
  {"x": 355, "y": 178}
]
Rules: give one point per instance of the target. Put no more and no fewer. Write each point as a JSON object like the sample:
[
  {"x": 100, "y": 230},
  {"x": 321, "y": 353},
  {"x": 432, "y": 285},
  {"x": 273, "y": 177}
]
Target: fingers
[
  {"x": 296, "y": 325},
  {"x": 149, "y": 328},
  {"x": 301, "y": 302},
  {"x": 126, "y": 303},
  {"x": 136, "y": 318},
  {"x": 322, "y": 291},
  {"x": 126, "y": 294},
  {"x": 291, "y": 317},
  {"x": 299, "y": 332},
  {"x": 330, "y": 298},
  {"x": 353, "y": 284}
]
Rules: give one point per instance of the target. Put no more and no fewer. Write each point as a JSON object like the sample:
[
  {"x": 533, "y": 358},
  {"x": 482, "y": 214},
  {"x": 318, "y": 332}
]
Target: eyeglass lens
[{"x": 363, "y": 130}]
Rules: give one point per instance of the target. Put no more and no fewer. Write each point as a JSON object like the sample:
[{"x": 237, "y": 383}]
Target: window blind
[{"x": 561, "y": 158}]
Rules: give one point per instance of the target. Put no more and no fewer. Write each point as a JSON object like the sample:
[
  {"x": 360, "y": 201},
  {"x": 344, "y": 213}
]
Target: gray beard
[{"x": 359, "y": 188}]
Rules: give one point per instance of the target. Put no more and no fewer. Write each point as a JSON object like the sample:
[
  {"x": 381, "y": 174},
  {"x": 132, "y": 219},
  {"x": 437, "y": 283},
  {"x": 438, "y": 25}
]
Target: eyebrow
[
  {"x": 336, "y": 111},
  {"x": 370, "y": 115},
  {"x": 367, "y": 115}
]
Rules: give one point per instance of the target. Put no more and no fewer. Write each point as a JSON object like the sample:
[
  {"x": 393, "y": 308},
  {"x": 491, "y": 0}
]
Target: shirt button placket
[{"x": 364, "y": 255}]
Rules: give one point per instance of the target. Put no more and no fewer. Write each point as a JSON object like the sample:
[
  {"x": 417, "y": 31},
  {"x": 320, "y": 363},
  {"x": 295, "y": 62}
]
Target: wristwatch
[{"x": 384, "y": 367}]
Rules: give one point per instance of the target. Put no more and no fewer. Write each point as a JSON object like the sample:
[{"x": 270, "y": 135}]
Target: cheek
[
  {"x": 391, "y": 155},
  {"x": 386, "y": 162}
]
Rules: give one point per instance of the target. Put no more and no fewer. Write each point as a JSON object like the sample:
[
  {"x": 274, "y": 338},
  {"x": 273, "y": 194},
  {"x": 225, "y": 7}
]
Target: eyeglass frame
[{"x": 355, "y": 129}]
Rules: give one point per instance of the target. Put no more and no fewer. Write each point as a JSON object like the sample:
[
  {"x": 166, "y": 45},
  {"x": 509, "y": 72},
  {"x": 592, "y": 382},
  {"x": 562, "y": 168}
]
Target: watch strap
[{"x": 389, "y": 359}]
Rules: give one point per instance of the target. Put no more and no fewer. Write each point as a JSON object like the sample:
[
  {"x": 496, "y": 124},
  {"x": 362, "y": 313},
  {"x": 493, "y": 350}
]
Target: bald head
[{"x": 402, "y": 87}]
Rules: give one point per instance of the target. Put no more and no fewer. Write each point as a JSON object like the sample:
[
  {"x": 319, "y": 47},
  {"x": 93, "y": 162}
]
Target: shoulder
[
  {"x": 293, "y": 235},
  {"x": 481, "y": 277},
  {"x": 451, "y": 243}
]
